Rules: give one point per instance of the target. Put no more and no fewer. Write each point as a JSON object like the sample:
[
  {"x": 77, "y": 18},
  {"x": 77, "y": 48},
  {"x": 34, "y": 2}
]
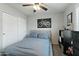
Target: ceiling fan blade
[
  {"x": 27, "y": 5},
  {"x": 43, "y": 7},
  {"x": 43, "y": 4},
  {"x": 36, "y": 3}
]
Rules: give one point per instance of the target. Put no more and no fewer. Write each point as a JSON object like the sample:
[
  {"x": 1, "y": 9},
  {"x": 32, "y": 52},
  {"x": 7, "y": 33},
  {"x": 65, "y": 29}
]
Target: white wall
[
  {"x": 22, "y": 28},
  {"x": 77, "y": 17},
  {"x": 21, "y": 22},
  {"x": 57, "y": 23},
  {"x": 74, "y": 8},
  {"x": 4, "y": 7},
  {"x": 68, "y": 10}
]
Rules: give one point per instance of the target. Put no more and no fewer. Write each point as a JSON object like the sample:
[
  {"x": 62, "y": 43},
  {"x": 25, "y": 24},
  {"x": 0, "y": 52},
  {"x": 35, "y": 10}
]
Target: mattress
[{"x": 30, "y": 47}]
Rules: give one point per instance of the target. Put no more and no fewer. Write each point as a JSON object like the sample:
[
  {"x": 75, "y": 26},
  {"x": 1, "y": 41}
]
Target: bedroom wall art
[
  {"x": 44, "y": 23},
  {"x": 69, "y": 19}
]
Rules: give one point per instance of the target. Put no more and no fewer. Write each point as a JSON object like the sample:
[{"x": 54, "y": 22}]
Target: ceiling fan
[{"x": 37, "y": 6}]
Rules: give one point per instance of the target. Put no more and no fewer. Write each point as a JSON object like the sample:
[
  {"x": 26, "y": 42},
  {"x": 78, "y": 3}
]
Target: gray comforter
[{"x": 30, "y": 47}]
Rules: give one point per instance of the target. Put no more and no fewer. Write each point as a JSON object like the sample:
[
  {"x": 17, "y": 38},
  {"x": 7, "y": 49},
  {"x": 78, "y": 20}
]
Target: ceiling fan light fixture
[{"x": 36, "y": 7}]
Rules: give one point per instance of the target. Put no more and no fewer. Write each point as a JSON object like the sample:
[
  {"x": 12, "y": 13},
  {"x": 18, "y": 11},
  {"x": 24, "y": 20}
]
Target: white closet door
[
  {"x": 0, "y": 31},
  {"x": 21, "y": 28},
  {"x": 9, "y": 29}
]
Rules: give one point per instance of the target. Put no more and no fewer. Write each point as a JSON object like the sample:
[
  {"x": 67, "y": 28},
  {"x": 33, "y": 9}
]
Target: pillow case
[
  {"x": 33, "y": 34},
  {"x": 44, "y": 35}
]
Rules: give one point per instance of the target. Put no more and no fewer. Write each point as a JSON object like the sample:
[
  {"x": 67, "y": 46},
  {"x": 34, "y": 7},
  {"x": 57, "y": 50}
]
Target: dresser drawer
[
  {"x": 75, "y": 35},
  {"x": 76, "y": 44},
  {"x": 76, "y": 52}
]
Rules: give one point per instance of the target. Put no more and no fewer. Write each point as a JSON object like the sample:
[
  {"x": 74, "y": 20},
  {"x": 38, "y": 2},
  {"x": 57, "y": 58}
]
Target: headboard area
[{"x": 40, "y": 34}]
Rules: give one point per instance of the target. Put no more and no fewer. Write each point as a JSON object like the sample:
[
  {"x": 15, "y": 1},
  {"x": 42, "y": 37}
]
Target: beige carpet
[{"x": 57, "y": 51}]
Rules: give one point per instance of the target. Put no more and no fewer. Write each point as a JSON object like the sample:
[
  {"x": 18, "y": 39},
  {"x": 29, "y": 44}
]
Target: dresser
[
  {"x": 66, "y": 41},
  {"x": 75, "y": 37},
  {"x": 70, "y": 39}
]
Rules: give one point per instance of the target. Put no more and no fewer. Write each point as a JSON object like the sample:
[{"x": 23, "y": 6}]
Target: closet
[
  {"x": 9, "y": 29},
  {"x": 0, "y": 32},
  {"x": 13, "y": 29}
]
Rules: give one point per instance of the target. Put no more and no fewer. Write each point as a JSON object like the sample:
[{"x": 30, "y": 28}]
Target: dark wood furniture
[
  {"x": 66, "y": 41},
  {"x": 70, "y": 42},
  {"x": 75, "y": 36}
]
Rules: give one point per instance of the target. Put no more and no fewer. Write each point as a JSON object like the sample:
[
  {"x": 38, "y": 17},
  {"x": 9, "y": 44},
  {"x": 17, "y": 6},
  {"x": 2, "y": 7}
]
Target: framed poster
[
  {"x": 44, "y": 23},
  {"x": 69, "y": 19}
]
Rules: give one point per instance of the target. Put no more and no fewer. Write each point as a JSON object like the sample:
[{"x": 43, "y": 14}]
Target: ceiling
[{"x": 52, "y": 8}]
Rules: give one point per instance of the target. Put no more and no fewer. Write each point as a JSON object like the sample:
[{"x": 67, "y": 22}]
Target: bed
[{"x": 31, "y": 45}]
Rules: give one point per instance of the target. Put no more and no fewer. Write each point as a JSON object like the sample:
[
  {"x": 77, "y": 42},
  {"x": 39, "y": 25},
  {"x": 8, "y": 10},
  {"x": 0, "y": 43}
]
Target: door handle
[{"x": 3, "y": 33}]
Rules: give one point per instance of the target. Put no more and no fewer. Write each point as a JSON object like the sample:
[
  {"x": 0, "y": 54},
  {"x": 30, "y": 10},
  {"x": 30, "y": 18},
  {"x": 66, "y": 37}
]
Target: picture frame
[
  {"x": 44, "y": 23},
  {"x": 69, "y": 19}
]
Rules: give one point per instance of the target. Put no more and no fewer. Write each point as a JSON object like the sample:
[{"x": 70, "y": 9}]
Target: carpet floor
[{"x": 57, "y": 51}]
